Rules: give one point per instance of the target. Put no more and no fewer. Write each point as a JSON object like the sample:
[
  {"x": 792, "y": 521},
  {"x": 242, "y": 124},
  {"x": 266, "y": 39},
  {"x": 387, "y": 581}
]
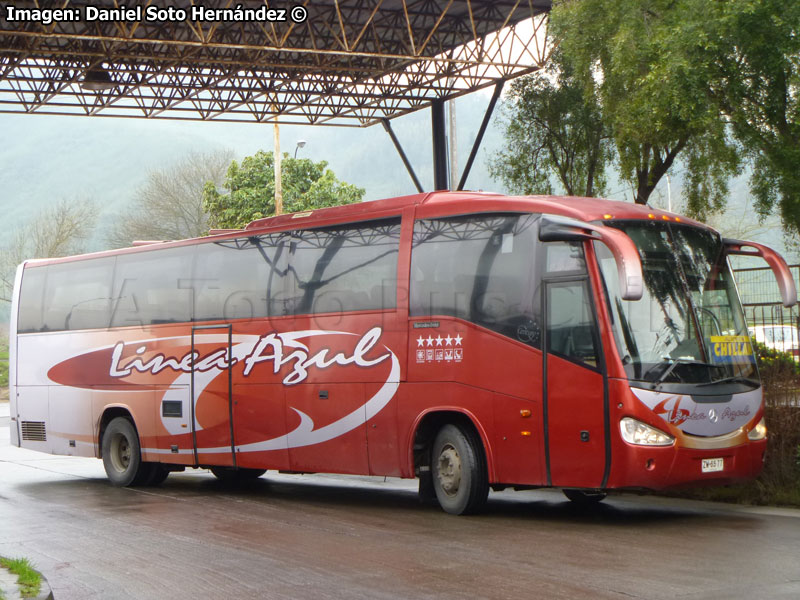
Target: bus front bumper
[{"x": 659, "y": 468}]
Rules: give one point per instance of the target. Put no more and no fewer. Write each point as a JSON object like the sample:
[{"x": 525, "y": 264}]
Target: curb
[{"x": 45, "y": 591}]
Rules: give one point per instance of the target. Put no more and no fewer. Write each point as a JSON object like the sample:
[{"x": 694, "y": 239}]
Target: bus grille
[{"x": 34, "y": 431}]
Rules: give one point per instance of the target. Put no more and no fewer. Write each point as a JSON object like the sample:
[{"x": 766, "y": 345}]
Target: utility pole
[
  {"x": 277, "y": 157},
  {"x": 669, "y": 194},
  {"x": 451, "y": 106}
]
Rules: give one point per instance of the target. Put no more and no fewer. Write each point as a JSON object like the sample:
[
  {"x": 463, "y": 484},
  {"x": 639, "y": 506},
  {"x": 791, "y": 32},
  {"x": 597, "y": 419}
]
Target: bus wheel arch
[{"x": 451, "y": 461}]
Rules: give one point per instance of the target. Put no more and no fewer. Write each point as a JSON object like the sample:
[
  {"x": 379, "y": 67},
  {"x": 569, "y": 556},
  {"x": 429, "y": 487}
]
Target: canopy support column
[
  {"x": 498, "y": 88},
  {"x": 439, "y": 136},
  {"x": 388, "y": 127}
]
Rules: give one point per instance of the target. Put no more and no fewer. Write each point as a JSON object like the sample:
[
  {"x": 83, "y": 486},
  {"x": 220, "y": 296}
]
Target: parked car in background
[{"x": 784, "y": 338}]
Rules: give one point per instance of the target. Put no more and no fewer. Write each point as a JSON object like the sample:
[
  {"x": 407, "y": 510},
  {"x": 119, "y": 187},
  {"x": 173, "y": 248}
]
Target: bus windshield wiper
[
  {"x": 682, "y": 361},
  {"x": 731, "y": 379}
]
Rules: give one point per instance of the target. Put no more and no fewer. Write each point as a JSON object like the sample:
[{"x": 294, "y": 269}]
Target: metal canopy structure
[{"x": 350, "y": 62}]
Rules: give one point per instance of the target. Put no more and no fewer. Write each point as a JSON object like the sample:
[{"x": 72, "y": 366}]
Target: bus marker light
[
  {"x": 665, "y": 217},
  {"x": 525, "y": 433},
  {"x": 651, "y": 216},
  {"x": 525, "y": 413},
  {"x": 607, "y": 216}
]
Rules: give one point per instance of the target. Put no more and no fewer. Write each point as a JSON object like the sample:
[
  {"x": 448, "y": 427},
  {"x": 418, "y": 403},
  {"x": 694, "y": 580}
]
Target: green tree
[
  {"x": 751, "y": 53},
  {"x": 653, "y": 95},
  {"x": 251, "y": 190},
  {"x": 553, "y": 130}
]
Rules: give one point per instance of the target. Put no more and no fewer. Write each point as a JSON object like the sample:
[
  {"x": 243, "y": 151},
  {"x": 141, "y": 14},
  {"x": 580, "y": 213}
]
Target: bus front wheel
[
  {"x": 122, "y": 457},
  {"x": 458, "y": 466}
]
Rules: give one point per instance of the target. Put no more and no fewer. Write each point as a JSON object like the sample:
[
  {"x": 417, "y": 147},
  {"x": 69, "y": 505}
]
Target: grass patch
[{"x": 28, "y": 578}]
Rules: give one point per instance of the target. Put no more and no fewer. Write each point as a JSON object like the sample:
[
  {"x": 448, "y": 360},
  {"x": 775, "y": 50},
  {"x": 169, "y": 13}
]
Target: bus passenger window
[
  {"x": 78, "y": 295},
  {"x": 344, "y": 268},
  {"x": 239, "y": 278},
  {"x": 570, "y": 323},
  {"x": 478, "y": 268},
  {"x": 152, "y": 287}
]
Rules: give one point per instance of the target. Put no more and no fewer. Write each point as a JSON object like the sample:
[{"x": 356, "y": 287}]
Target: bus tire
[
  {"x": 583, "y": 497},
  {"x": 427, "y": 493},
  {"x": 157, "y": 474},
  {"x": 458, "y": 464},
  {"x": 234, "y": 475},
  {"x": 122, "y": 457}
]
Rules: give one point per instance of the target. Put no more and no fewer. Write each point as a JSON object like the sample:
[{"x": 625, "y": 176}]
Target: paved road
[{"x": 351, "y": 538}]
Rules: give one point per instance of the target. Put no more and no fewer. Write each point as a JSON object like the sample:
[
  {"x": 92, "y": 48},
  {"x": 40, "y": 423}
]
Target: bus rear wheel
[
  {"x": 458, "y": 465},
  {"x": 122, "y": 457}
]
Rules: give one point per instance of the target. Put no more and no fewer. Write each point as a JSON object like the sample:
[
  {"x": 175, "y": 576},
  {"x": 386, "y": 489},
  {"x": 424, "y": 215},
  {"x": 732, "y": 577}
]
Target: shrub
[{"x": 780, "y": 375}]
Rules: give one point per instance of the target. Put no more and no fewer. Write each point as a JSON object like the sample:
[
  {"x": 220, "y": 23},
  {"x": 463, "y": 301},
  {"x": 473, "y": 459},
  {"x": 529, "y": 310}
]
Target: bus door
[
  {"x": 573, "y": 396},
  {"x": 211, "y": 394}
]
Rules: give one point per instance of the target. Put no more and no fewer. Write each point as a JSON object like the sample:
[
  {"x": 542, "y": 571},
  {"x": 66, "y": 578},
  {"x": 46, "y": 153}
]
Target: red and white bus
[{"x": 471, "y": 340}]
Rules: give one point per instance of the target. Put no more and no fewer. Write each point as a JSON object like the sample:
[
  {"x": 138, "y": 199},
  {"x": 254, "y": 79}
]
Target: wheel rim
[
  {"x": 120, "y": 453},
  {"x": 449, "y": 471}
]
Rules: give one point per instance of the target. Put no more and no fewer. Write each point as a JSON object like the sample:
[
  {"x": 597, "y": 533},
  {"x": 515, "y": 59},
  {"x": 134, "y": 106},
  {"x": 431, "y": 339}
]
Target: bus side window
[
  {"x": 233, "y": 278},
  {"x": 78, "y": 295},
  {"x": 31, "y": 300},
  {"x": 478, "y": 268},
  {"x": 153, "y": 287},
  {"x": 344, "y": 268}
]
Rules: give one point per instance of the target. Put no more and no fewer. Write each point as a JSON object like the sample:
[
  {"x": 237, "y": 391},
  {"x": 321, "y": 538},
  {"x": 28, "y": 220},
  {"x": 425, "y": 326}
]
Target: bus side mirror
[
  {"x": 775, "y": 261},
  {"x": 554, "y": 228}
]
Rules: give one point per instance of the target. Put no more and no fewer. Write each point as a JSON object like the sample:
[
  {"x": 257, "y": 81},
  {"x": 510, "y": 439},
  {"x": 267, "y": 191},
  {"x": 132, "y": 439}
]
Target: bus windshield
[{"x": 689, "y": 327}]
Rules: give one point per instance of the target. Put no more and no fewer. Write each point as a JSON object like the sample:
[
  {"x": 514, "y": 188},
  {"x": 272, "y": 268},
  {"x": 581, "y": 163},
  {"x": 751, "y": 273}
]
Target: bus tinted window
[
  {"x": 478, "y": 268},
  {"x": 241, "y": 278},
  {"x": 78, "y": 295},
  {"x": 313, "y": 271},
  {"x": 153, "y": 287},
  {"x": 344, "y": 268},
  {"x": 31, "y": 300}
]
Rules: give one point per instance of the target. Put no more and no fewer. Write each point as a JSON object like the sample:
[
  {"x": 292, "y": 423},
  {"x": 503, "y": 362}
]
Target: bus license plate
[{"x": 711, "y": 465}]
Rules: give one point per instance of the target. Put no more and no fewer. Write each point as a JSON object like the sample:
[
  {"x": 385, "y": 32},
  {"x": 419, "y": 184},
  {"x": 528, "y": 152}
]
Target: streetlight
[{"x": 300, "y": 144}]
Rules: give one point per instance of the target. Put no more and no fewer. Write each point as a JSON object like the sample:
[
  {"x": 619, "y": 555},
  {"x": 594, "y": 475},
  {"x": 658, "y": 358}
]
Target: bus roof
[
  {"x": 580, "y": 208},
  {"x": 432, "y": 204}
]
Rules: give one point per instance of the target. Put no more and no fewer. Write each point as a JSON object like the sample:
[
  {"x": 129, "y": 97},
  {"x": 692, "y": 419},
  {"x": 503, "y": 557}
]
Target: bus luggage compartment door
[
  {"x": 211, "y": 393},
  {"x": 574, "y": 399}
]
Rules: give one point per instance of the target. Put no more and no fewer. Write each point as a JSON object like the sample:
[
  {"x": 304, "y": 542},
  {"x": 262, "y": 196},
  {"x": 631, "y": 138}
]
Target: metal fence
[{"x": 769, "y": 321}]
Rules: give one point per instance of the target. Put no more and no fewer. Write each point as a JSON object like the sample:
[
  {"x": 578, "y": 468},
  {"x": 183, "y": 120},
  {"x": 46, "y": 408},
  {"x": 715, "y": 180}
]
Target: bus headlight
[
  {"x": 636, "y": 432},
  {"x": 759, "y": 432}
]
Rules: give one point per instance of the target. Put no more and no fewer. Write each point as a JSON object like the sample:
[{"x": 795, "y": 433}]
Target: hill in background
[{"x": 46, "y": 158}]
